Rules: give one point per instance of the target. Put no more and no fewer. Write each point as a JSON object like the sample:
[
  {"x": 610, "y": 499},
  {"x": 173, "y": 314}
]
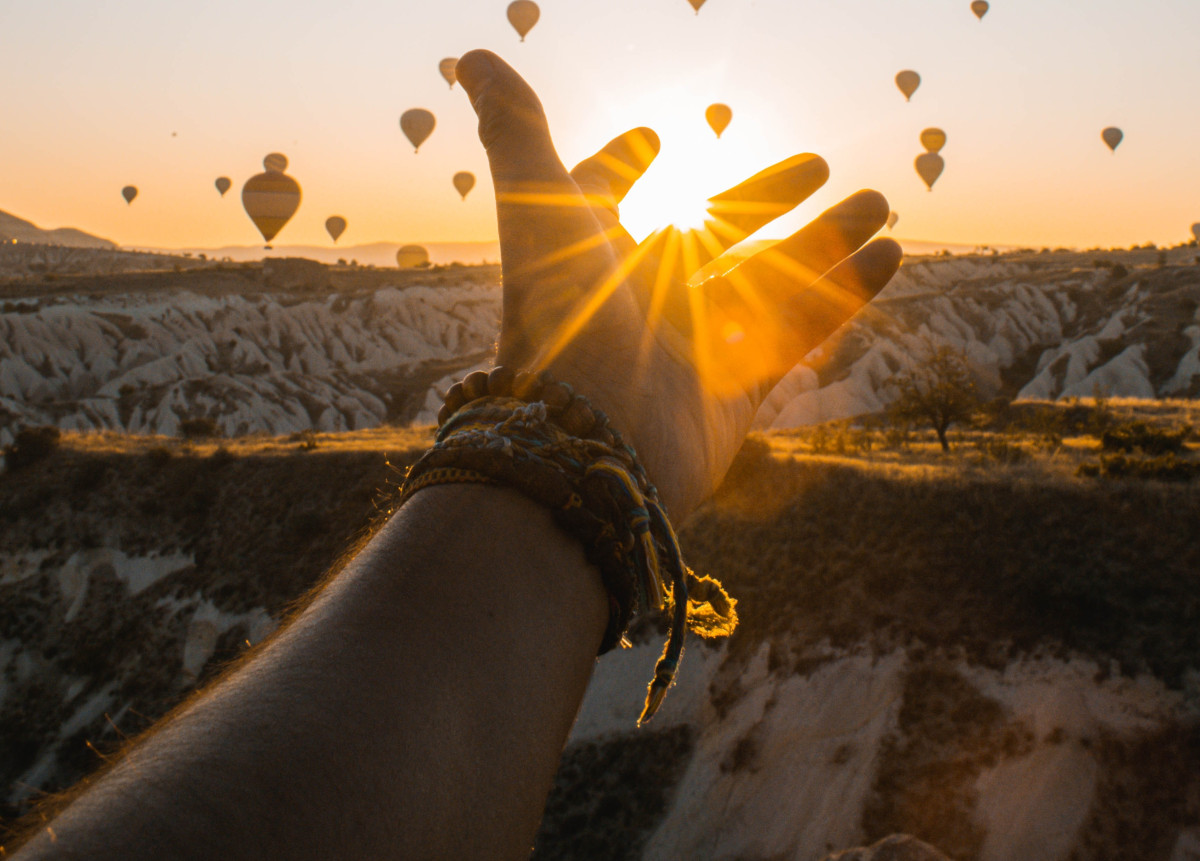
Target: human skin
[{"x": 418, "y": 706}]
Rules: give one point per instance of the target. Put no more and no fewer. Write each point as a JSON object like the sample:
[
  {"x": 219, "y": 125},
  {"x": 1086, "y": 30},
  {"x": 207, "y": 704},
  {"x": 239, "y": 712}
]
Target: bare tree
[{"x": 938, "y": 392}]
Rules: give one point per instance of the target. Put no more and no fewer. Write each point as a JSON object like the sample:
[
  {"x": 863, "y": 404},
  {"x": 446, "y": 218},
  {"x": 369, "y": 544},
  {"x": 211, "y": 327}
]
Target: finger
[
  {"x": 551, "y": 245},
  {"x": 606, "y": 178},
  {"x": 671, "y": 257},
  {"x": 611, "y": 172},
  {"x": 512, "y": 124},
  {"x": 750, "y": 341},
  {"x": 809, "y": 253},
  {"x": 770, "y": 276},
  {"x": 750, "y": 205}
]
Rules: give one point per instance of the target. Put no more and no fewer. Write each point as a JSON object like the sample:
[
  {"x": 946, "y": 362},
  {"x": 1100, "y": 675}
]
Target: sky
[{"x": 167, "y": 96}]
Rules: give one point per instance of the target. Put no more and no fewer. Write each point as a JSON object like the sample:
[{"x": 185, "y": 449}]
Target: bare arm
[{"x": 417, "y": 709}]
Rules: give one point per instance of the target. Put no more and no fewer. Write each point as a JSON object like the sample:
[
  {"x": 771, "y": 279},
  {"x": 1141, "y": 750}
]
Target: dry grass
[
  {"x": 962, "y": 555},
  {"x": 961, "y": 552},
  {"x": 379, "y": 440}
]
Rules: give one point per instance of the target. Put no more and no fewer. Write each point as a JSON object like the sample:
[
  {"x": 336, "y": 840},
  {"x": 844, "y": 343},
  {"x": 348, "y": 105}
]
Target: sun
[
  {"x": 692, "y": 166},
  {"x": 673, "y": 192}
]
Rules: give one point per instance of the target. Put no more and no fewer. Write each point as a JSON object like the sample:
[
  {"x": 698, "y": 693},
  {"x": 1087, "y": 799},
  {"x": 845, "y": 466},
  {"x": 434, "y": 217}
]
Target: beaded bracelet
[{"x": 536, "y": 435}]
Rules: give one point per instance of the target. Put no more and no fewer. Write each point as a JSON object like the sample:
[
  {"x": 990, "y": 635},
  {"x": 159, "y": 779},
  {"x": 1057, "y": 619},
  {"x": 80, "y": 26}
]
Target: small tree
[
  {"x": 939, "y": 392},
  {"x": 31, "y": 445}
]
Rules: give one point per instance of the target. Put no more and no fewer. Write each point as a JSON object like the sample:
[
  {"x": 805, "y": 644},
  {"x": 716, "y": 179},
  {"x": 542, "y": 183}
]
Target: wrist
[{"x": 538, "y": 436}]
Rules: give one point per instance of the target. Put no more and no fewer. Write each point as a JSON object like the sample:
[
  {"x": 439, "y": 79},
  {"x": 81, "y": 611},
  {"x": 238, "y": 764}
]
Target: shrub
[
  {"x": 221, "y": 457},
  {"x": 159, "y": 456},
  {"x": 1141, "y": 436},
  {"x": 1166, "y": 467},
  {"x": 1002, "y": 451},
  {"x": 200, "y": 427},
  {"x": 31, "y": 445},
  {"x": 306, "y": 438},
  {"x": 1101, "y": 417}
]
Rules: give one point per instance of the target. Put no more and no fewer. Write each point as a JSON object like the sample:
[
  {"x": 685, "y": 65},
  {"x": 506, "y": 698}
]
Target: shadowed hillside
[{"x": 927, "y": 642}]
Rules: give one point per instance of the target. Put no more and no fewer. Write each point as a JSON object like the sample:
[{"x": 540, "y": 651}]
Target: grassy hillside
[{"x": 836, "y": 536}]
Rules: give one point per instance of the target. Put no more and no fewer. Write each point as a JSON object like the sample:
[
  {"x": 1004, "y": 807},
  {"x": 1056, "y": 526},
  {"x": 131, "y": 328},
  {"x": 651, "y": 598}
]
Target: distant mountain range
[
  {"x": 12, "y": 227},
  {"x": 384, "y": 253},
  {"x": 371, "y": 254}
]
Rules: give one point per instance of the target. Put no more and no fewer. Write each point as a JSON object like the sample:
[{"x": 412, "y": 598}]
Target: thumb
[{"x": 512, "y": 124}]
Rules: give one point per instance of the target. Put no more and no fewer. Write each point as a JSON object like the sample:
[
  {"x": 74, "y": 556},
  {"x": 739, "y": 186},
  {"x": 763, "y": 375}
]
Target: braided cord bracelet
[{"x": 535, "y": 435}]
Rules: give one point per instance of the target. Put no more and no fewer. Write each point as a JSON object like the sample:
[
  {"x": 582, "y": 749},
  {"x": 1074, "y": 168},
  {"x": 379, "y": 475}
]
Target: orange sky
[{"x": 93, "y": 92}]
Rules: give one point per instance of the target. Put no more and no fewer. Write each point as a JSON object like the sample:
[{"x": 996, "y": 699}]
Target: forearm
[{"x": 416, "y": 709}]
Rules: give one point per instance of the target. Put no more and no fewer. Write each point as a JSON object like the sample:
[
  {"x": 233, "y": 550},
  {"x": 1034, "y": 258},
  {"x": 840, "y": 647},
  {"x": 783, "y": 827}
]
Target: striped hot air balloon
[{"x": 272, "y": 197}]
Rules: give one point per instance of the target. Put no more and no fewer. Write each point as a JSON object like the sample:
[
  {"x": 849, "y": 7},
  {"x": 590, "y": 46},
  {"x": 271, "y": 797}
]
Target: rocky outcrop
[
  {"x": 1031, "y": 330},
  {"x": 290, "y": 351},
  {"x": 268, "y": 362}
]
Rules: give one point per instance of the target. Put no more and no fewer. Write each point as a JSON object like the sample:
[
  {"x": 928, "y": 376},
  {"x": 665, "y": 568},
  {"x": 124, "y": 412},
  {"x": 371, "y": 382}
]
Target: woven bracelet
[{"x": 535, "y": 435}]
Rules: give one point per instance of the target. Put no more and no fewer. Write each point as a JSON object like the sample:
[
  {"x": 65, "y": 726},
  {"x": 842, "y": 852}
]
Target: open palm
[{"x": 680, "y": 367}]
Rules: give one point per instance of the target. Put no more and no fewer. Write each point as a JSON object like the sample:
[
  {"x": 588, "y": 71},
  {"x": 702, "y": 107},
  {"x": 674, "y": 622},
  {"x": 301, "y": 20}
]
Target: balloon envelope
[
  {"x": 908, "y": 81},
  {"x": 223, "y": 184},
  {"x": 1113, "y": 137},
  {"x": 893, "y": 217},
  {"x": 411, "y": 256},
  {"x": 933, "y": 139},
  {"x": 129, "y": 192},
  {"x": 275, "y": 161},
  {"x": 417, "y": 125},
  {"x": 696, "y": 4},
  {"x": 335, "y": 225},
  {"x": 718, "y": 117},
  {"x": 1196, "y": 231},
  {"x": 464, "y": 181},
  {"x": 523, "y": 14},
  {"x": 447, "y": 67},
  {"x": 980, "y": 8},
  {"x": 930, "y": 167},
  {"x": 270, "y": 199}
]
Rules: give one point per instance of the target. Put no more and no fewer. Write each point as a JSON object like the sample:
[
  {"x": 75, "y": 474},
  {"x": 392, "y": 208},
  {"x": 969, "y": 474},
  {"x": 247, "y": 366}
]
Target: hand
[{"x": 680, "y": 368}]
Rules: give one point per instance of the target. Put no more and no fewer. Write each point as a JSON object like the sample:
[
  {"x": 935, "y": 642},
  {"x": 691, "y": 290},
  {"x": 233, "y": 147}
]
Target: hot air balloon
[
  {"x": 523, "y": 14},
  {"x": 464, "y": 181},
  {"x": 930, "y": 166},
  {"x": 696, "y": 4},
  {"x": 411, "y": 257},
  {"x": 447, "y": 67},
  {"x": 980, "y": 8},
  {"x": 223, "y": 184},
  {"x": 417, "y": 125},
  {"x": 271, "y": 198},
  {"x": 893, "y": 217},
  {"x": 129, "y": 192},
  {"x": 1196, "y": 231},
  {"x": 908, "y": 81},
  {"x": 1113, "y": 137},
  {"x": 933, "y": 139},
  {"x": 335, "y": 226},
  {"x": 718, "y": 117}
]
